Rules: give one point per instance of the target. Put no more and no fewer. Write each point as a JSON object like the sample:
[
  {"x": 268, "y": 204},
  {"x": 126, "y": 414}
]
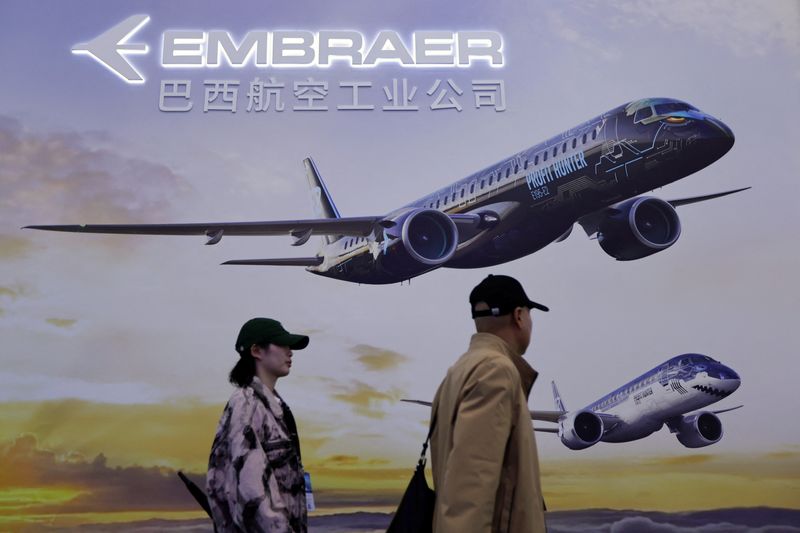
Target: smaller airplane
[{"x": 670, "y": 394}]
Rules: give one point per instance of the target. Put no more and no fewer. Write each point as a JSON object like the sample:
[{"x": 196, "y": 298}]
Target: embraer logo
[
  {"x": 295, "y": 48},
  {"x": 110, "y": 48}
]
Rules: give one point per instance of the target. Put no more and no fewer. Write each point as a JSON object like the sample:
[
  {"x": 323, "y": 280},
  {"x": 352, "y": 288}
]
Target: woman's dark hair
[{"x": 242, "y": 373}]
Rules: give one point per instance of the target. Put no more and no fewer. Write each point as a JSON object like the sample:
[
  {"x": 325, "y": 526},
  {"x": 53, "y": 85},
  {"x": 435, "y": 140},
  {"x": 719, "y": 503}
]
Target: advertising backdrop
[{"x": 115, "y": 349}]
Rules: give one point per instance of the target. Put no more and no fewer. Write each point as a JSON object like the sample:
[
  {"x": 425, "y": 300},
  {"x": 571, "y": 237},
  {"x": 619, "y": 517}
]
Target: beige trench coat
[{"x": 483, "y": 450}]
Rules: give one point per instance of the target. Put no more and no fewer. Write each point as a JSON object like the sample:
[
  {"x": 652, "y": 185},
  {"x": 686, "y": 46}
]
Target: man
[
  {"x": 255, "y": 478},
  {"x": 483, "y": 452}
]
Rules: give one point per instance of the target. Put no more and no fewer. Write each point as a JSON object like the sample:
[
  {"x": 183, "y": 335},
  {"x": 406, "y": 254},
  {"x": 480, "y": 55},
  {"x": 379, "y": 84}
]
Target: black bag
[{"x": 415, "y": 512}]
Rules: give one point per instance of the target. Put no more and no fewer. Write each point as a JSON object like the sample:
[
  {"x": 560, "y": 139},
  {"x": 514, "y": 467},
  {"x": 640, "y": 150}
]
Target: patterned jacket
[{"x": 255, "y": 478}]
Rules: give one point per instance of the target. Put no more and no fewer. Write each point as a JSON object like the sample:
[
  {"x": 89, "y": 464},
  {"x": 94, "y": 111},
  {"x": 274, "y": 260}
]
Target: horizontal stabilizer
[
  {"x": 420, "y": 402},
  {"x": 355, "y": 226},
  {"x": 726, "y": 410},
  {"x": 286, "y": 261},
  {"x": 547, "y": 416}
]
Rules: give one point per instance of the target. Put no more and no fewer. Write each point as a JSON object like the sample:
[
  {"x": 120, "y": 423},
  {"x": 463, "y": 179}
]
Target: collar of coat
[
  {"x": 526, "y": 372},
  {"x": 268, "y": 397},
  {"x": 283, "y": 415}
]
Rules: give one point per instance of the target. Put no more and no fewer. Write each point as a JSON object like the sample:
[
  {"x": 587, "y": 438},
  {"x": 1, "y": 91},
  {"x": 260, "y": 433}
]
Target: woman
[{"x": 255, "y": 478}]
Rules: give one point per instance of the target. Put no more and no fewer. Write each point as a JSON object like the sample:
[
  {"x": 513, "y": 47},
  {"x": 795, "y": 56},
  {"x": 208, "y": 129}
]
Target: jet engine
[
  {"x": 424, "y": 240},
  {"x": 697, "y": 430},
  {"x": 639, "y": 227},
  {"x": 581, "y": 429}
]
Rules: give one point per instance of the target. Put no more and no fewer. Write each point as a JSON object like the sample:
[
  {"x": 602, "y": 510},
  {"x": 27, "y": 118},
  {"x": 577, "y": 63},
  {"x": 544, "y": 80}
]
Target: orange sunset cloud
[{"x": 71, "y": 461}]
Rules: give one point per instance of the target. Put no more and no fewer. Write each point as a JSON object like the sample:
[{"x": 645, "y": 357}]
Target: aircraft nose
[
  {"x": 718, "y": 133},
  {"x": 727, "y": 373},
  {"x": 722, "y": 128},
  {"x": 720, "y": 380},
  {"x": 730, "y": 379},
  {"x": 720, "y": 371}
]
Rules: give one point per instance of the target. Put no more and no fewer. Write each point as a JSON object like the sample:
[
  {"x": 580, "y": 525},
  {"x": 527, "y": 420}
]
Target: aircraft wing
[
  {"x": 547, "y": 416},
  {"x": 544, "y": 416},
  {"x": 591, "y": 222},
  {"x": 695, "y": 199},
  {"x": 355, "y": 226},
  {"x": 726, "y": 410},
  {"x": 555, "y": 416},
  {"x": 301, "y": 230}
]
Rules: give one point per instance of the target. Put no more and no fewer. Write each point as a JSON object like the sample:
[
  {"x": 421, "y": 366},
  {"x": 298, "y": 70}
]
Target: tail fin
[
  {"x": 323, "y": 204},
  {"x": 557, "y": 398},
  {"x": 320, "y": 197}
]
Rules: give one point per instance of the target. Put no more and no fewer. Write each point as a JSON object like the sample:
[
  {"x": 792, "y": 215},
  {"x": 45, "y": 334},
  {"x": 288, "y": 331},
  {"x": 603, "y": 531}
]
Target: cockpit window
[
  {"x": 643, "y": 113},
  {"x": 666, "y": 109}
]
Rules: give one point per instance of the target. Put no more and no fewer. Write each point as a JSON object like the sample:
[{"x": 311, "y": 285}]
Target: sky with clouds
[{"x": 106, "y": 340}]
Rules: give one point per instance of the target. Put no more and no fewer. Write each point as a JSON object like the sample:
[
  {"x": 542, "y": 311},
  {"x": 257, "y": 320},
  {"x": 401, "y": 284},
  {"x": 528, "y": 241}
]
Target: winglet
[{"x": 557, "y": 398}]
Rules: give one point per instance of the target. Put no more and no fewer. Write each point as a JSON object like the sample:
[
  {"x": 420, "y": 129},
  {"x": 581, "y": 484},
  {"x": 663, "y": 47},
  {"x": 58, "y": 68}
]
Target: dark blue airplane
[{"x": 591, "y": 174}]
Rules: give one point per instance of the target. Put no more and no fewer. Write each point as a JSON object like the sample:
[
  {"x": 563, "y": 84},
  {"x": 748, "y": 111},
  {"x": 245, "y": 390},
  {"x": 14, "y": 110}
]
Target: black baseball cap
[
  {"x": 267, "y": 330},
  {"x": 502, "y": 294}
]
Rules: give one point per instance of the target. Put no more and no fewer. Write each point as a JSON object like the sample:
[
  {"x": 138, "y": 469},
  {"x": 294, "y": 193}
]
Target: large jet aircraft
[
  {"x": 590, "y": 174},
  {"x": 670, "y": 394}
]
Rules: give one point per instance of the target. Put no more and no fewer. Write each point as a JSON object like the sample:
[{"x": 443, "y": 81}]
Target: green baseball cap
[{"x": 267, "y": 330}]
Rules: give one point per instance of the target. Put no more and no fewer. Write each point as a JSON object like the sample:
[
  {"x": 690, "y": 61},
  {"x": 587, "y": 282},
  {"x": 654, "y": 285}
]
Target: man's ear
[{"x": 517, "y": 314}]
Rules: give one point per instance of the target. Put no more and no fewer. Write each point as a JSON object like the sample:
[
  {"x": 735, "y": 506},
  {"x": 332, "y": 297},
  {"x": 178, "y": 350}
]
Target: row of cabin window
[
  {"x": 563, "y": 148},
  {"x": 483, "y": 184},
  {"x": 639, "y": 385},
  {"x": 516, "y": 168},
  {"x": 499, "y": 176}
]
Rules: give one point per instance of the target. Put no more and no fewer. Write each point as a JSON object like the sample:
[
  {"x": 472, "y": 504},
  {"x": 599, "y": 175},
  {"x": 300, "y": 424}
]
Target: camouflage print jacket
[{"x": 255, "y": 478}]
